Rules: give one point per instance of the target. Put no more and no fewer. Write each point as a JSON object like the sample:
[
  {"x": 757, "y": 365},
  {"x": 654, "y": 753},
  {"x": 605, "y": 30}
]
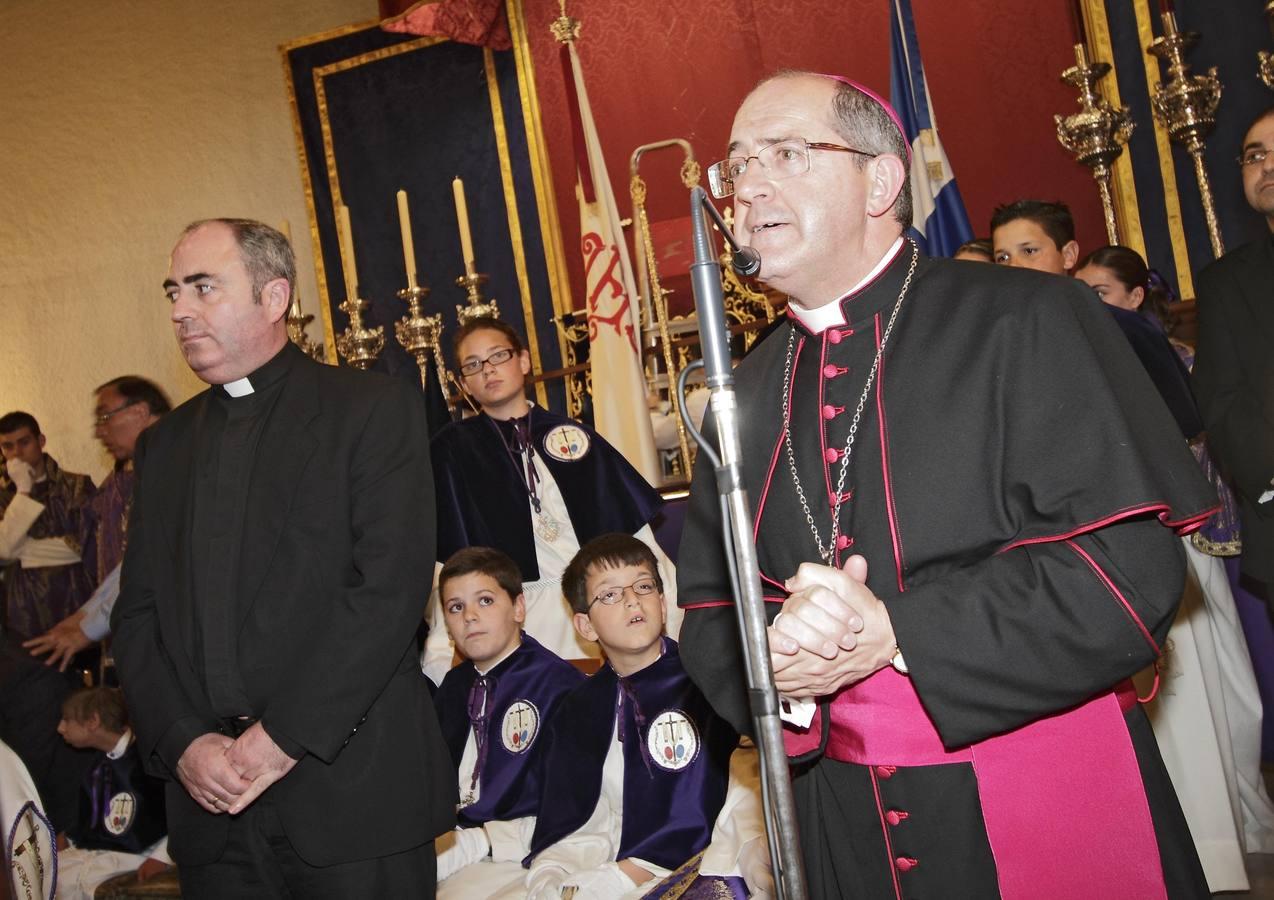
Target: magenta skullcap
[{"x": 880, "y": 101}]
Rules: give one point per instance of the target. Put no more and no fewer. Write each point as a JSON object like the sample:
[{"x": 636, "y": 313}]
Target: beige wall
[{"x": 120, "y": 121}]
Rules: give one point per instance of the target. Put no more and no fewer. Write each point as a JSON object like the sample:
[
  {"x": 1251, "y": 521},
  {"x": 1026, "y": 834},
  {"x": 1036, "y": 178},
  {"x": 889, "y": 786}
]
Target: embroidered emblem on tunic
[
  {"x": 521, "y": 725},
  {"x": 566, "y": 443},
  {"x": 120, "y": 816},
  {"x": 673, "y": 740}
]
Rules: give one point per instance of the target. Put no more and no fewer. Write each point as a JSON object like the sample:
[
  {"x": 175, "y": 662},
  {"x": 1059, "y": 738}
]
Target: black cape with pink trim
[{"x": 1014, "y": 414}]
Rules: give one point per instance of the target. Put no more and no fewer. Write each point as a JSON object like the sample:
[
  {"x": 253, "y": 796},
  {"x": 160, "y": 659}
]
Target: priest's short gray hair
[{"x": 267, "y": 255}]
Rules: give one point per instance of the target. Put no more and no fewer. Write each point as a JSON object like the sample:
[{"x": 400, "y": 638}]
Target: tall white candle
[
  {"x": 347, "y": 252},
  {"x": 409, "y": 248},
  {"x": 462, "y": 217}
]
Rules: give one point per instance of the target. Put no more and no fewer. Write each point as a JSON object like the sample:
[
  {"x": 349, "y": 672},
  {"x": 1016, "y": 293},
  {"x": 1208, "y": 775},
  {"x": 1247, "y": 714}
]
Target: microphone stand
[{"x": 740, "y": 548}]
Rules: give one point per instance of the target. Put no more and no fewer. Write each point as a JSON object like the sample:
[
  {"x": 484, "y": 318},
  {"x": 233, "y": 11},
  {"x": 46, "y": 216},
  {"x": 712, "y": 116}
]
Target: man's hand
[
  {"x": 257, "y": 758},
  {"x": 207, "y": 775},
  {"x": 21, "y": 474},
  {"x": 832, "y": 631},
  {"x": 61, "y": 642}
]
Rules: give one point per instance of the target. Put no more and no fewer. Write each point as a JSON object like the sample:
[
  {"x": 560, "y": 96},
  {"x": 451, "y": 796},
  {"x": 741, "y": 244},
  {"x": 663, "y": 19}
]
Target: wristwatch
[{"x": 898, "y": 662}]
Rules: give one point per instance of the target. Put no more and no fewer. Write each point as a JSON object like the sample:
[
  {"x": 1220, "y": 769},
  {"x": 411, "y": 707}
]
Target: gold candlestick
[
  {"x": 1267, "y": 60},
  {"x": 296, "y": 329},
  {"x": 1186, "y": 105},
  {"x": 421, "y": 336},
  {"x": 296, "y": 320},
  {"x": 1097, "y": 133},
  {"x": 358, "y": 344},
  {"x": 478, "y": 307}
]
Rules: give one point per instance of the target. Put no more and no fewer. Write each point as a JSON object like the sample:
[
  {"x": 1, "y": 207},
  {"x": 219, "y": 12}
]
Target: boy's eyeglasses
[
  {"x": 498, "y": 358},
  {"x": 642, "y": 587}
]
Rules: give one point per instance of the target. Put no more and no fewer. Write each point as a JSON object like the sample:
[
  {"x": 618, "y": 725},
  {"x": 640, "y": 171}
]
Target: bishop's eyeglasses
[
  {"x": 642, "y": 587},
  {"x": 785, "y": 159},
  {"x": 498, "y": 358}
]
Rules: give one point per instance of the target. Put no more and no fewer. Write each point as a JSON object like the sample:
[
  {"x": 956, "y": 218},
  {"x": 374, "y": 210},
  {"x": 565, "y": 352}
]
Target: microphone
[{"x": 744, "y": 260}]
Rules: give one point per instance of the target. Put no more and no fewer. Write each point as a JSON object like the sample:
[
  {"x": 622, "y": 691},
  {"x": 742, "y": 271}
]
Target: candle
[
  {"x": 462, "y": 217},
  {"x": 1077, "y": 22},
  {"x": 347, "y": 252},
  {"x": 409, "y": 248}
]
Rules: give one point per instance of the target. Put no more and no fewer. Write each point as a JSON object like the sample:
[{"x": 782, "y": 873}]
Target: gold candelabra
[
  {"x": 421, "y": 336},
  {"x": 1267, "y": 59},
  {"x": 359, "y": 345},
  {"x": 478, "y": 307},
  {"x": 1186, "y": 105},
  {"x": 297, "y": 321},
  {"x": 1097, "y": 133}
]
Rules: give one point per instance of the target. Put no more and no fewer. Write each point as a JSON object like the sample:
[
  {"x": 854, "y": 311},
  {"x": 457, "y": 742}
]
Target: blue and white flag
[{"x": 939, "y": 221}]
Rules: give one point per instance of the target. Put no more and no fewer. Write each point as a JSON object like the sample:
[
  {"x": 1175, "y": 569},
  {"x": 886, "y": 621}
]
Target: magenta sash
[{"x": 1065, "y": 810}]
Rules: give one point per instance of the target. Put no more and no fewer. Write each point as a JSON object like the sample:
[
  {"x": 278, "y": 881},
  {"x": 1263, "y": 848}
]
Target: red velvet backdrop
[
  {"x": 670, "y": 68},
  {"x": 667, "y": 68}
]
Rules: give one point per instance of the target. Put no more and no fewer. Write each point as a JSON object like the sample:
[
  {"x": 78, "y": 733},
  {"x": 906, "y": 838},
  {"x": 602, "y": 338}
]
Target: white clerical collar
[
  {"x": 121, "y": 745},
  {"x": 240, "y": 387},
  {"x": 820, "y": 318},
  {"x": 498, "y": 661}
]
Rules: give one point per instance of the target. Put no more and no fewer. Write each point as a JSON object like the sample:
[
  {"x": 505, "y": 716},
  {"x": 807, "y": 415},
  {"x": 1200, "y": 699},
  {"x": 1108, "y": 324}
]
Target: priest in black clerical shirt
[{"x": 279, "y": 559}]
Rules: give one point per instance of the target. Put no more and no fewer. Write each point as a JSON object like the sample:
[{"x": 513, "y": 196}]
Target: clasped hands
[
  {"x": 224, "y": 775},
  {"x": 832, "y": 631}
]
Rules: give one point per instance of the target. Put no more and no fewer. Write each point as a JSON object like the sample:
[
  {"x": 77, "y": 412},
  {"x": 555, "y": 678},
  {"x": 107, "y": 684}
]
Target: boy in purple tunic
[
  {"x": 636, "y": 765},
  {"x": 492, "y": 707}
]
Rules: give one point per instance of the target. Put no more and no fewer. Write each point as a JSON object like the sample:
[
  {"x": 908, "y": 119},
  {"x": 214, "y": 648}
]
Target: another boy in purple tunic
[
  {"x": 492, "y": 707},
  {"x": 636, "y": 765}
]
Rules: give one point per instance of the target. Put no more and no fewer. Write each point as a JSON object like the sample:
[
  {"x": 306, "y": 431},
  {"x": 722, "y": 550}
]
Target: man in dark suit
[
  {"x": 279, "y": 559},
  {"x": 1234, "y": 365}
]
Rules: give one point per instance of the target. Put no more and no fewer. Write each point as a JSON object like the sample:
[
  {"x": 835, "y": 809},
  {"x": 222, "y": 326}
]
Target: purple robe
[
  {"x": 36, "y": 599},
  {"x": 676, "y": 761}
]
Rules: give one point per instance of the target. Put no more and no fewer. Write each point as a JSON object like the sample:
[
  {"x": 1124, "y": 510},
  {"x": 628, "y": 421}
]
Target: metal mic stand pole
[{"x": 780, "y": 807}]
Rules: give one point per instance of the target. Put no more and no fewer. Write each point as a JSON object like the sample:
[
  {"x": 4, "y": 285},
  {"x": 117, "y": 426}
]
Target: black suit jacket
[
  {"x": 1234, "y": 384},
  {"x": 335, "y": 568}
]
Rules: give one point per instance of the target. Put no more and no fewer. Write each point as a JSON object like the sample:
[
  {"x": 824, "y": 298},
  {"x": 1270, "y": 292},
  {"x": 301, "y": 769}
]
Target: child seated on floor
[
  {"x": 636, "y": 764},
  {"x": 492, "y": 708},
  {"x": 122, "y": 825}
]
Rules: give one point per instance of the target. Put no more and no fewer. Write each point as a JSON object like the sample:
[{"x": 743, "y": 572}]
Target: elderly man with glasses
[
  {"x": 531, "y": 483},
  {"x": 124, "y": 408},
  {"x": 961, "y": 479}
]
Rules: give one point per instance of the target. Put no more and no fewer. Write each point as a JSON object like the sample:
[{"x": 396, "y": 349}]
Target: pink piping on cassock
[
  {"x": 1180, "y": 526},
  {"x": 1117, "y": 594},
  {"x": 884, "y": 827},
  {"x": 890, "y": 511}
]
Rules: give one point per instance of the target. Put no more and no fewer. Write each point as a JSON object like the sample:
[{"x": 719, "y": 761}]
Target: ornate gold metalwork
[
  {"x": 421, "y": 336},
  {"x": 1186, "y": 105},
  {"x": 1267, "y": 60},
  {"x": 296, "y": 329},
  {"x": 564, "y": 28},
  {"x": 573, "y": 329},
  {"x": 654, "y": 298},
  {"x": 478, "y": 307},
  {"x": 1097, "y": 133},
  {"x": 357, "y": 344}
]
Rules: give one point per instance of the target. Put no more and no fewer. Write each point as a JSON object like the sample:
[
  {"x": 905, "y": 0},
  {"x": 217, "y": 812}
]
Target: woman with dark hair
[
  {"x": 1122, "y": 281},
  {"x": 1209, "y": 667}
]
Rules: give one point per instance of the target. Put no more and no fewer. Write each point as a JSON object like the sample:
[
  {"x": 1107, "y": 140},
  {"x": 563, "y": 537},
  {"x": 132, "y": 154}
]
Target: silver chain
[{"x": 828, "y": 554}]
